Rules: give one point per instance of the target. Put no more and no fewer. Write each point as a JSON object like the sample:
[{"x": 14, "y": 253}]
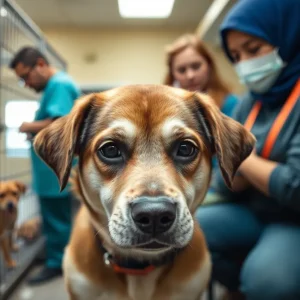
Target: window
[{"x": 17, "y": 112}]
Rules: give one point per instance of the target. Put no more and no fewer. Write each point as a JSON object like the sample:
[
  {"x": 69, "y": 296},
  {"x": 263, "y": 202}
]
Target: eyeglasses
[{"x": 24, "y": 77}]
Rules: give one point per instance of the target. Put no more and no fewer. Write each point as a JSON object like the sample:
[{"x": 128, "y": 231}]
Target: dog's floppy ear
[
  {"x": 58, "y": 142},
  {"x": 21, "y": 186},
  {"x": 228, "y": 139}
]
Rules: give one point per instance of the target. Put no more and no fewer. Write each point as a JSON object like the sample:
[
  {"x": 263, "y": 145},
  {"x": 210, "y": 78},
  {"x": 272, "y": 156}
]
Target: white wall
[{"x": 97, "y": 56}]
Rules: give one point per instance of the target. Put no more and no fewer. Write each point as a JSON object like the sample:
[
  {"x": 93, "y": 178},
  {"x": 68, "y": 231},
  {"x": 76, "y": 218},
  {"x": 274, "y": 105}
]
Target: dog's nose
[
  {"x": 153, "y": 215},
  {"x": 10, "y": 206}
]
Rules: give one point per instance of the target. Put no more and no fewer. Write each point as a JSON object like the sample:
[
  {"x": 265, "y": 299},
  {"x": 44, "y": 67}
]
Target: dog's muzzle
[
  {"x": 153, "y": 216},
  {"x": 10, "y": 207}
]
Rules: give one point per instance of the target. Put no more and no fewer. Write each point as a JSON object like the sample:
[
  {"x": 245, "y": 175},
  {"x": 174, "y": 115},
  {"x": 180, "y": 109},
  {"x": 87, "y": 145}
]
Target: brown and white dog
[
  {"x": 144, "y": 167},
  {"x": 10, "y": 192}
]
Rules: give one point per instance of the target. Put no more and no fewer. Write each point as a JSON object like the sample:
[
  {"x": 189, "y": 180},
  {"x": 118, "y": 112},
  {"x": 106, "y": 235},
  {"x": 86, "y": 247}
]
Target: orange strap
[
  {"x": 279, "y": 121},
  {"x": 252, "y": 116}
]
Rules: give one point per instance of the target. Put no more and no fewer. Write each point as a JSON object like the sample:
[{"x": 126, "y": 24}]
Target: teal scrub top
[
  {"x": 57, "y": 101},
  {"x": 228, "y": 107}
]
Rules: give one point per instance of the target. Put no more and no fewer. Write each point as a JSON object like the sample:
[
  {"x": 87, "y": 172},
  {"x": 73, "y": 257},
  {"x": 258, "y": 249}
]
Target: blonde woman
[{"x": 192, "y": 67}]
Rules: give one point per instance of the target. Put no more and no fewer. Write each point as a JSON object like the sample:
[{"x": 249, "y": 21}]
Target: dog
[
  {"x": 10, "y": 192},
  {"x": 144, "y": 166},
  {"x": 30, "y": 229}
]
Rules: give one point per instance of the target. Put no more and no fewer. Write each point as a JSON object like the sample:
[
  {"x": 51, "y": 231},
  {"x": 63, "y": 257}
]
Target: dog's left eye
[
  {"x": 186, "y": 149},
  {"x": 110, "y": 152},
  {"x": 185, "y": 152}
]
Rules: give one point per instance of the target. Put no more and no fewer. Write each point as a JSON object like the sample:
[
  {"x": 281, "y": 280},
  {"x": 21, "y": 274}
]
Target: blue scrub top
[
  {"x": 57, "y": 101},
  {"x": 227, "y": 109},
  {"x": 229, "y": 105}
]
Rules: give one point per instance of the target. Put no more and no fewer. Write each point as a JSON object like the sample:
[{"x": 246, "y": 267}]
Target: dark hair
[{"x": 28, "y": 56}]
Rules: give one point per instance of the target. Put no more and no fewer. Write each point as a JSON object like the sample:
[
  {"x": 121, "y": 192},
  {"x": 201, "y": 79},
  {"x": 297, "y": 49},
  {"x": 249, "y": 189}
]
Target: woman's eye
[
  {"x": 235, "y": 57},
  {"x": 181, "y": 70},
  {"x": 196, "y": 66},
  {"x": 254, "y": 50}
]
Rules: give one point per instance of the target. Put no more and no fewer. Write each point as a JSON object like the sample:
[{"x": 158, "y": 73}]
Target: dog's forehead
[
  {"x": 6, "y": 186},
  {"x": 145, "y": 105}
]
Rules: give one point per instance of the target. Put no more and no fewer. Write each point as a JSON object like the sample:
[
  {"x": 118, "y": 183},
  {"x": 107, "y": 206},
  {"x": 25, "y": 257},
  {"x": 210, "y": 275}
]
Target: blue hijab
[{"x": 278, "y": 23}]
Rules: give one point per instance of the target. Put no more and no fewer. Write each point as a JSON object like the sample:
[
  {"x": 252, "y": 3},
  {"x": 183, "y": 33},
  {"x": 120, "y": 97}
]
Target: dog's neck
[{"x": 130, "y": 265}]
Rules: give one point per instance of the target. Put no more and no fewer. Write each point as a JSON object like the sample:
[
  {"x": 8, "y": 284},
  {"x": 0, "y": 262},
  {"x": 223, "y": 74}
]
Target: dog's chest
[
  {"x": 142, "y": 287},
  {"x": 7, "y": 220},
  {"x": 137, "y": 289}
]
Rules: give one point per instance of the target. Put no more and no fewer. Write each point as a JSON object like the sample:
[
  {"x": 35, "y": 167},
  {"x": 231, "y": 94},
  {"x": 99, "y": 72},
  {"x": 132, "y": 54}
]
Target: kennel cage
[{"x": 17, "y": 105}]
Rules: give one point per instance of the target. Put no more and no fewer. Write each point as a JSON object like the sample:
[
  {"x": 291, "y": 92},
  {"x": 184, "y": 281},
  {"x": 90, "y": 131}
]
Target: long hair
[{"x": 217, "y": 88}]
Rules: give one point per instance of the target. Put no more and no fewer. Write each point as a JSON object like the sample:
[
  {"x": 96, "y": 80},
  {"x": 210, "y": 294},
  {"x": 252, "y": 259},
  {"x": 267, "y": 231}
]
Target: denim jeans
[{"x": 261, "y": 259}]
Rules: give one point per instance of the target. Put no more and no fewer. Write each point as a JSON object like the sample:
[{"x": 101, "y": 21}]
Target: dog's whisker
[{"x": 189, "y": 245}]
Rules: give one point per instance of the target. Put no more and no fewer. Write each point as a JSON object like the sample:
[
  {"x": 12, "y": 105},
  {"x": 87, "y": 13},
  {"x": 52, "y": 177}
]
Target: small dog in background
[
  {"x": 30, "y": 229},
  {"x": 10, "y": 192}
]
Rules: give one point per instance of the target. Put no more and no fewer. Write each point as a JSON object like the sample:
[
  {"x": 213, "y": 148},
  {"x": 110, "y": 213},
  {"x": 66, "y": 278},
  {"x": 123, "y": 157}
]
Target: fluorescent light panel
[{"x": 145, "y": 8}]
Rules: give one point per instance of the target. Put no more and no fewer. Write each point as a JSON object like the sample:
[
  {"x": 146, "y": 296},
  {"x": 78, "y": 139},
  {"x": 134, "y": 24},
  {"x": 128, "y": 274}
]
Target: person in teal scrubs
[{"x": 59, "y": 94}]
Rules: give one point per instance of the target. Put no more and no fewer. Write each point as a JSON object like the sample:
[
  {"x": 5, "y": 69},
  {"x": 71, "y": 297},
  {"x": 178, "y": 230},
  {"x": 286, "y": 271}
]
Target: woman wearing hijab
[{"x": 255, "y": 239}]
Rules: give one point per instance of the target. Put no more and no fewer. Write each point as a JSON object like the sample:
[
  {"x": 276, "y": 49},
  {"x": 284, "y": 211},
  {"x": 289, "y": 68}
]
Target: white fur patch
[
  {"x": 93, "y": 176},
  {"x": 111, "y": 93},
  {"x": 143, "y": 287},
  {"x": 197, "y": 284},
  {"x": 170, "y": 125},
  {"x": 126, "y": 126},
  {"x": 79, "y": 284},
  {"x": 153, "y": 186},
  {"x": 106, "y": 199},
  {"x": 105, "y": 192}
]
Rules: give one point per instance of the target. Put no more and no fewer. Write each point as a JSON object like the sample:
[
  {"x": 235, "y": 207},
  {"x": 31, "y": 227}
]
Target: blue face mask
[{"x": 259, "y": 74}]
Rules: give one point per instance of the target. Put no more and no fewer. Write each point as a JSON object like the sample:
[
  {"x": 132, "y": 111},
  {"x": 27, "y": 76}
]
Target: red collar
[{"x": 131, "y": 266}]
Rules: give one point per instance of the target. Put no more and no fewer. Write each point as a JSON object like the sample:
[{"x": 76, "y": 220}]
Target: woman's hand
[{"x": 257, "y": 171}]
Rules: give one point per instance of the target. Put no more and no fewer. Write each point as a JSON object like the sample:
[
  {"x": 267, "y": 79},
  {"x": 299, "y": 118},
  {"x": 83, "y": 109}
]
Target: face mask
[{"x": 259, "y": 74}]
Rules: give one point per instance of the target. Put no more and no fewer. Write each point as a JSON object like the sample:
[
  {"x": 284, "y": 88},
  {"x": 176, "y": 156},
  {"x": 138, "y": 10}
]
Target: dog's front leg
[
  {"x": 85, "y": 292},
  {"x": 72, "y": 296},
  {"x": 13, "y": 246},
  {"x": 79, "y": 287},
  {"x": 4, "y": 242}
]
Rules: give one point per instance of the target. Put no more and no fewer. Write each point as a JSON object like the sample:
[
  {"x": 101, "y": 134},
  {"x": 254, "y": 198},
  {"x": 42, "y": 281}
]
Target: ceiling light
[
  {"x": 3, "y": 12},
  {"x": 145, "y": 8}
]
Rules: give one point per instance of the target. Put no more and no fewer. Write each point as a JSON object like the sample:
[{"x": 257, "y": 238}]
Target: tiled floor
[{"x": 55, "y": 289}]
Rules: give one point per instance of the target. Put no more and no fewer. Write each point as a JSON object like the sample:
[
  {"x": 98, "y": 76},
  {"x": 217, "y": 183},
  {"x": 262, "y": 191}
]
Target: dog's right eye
[{"x": 110, "y": 153}]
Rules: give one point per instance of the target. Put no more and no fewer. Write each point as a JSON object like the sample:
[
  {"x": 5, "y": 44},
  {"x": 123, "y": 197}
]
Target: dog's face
[
  {"x": 10, "y": 192},
  {"x": 145, "y": 159}
]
